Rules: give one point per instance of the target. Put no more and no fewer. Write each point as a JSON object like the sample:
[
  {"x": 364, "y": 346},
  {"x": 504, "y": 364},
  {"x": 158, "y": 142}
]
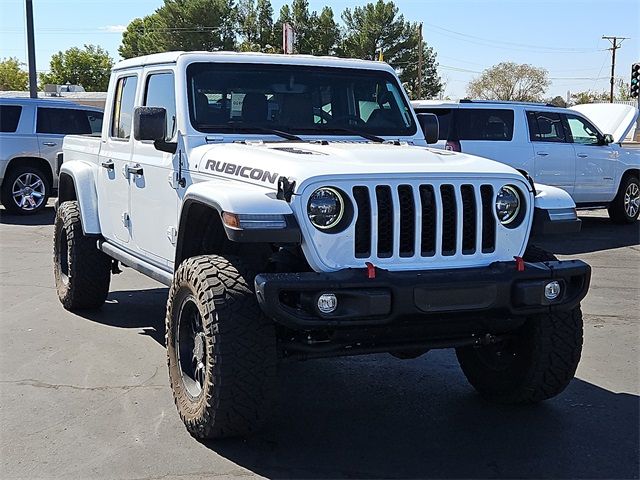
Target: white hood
[
  {"x": 262, "y": 164},
  {"x": 613, "y": 118}
]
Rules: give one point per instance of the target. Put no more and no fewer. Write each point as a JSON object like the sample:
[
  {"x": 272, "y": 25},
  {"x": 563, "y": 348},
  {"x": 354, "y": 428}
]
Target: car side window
[
  {"x": 582, "y": 131},
  {"x": 123, "y": 104},
  {"x": 62, "y": 121},
  {"x": 9, "y": 118},
  {"x": 160, "y": 92},
  {"x": 95, "y": 121},
  {"x": 484, "y": 124},
  {"x": 546, "y": 127}
]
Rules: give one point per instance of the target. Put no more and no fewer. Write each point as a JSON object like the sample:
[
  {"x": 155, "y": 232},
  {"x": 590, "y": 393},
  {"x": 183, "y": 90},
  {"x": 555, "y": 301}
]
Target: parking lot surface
[{"x": 87, "y": 396}]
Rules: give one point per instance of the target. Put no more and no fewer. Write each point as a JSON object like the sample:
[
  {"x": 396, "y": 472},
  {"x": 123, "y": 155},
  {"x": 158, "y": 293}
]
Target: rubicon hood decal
[{"x": 242, "y": 171}]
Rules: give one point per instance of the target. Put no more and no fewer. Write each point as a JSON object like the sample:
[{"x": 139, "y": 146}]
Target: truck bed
[{"x": 81, "y": 147}]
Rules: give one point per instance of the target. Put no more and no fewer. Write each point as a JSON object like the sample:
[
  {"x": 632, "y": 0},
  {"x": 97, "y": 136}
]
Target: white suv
[
  {"x": 31, "y": 134},
  {"x": 577, "y": 149}
]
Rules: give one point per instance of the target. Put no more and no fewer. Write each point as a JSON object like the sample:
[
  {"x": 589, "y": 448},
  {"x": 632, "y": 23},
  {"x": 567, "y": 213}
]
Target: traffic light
[{"x": 635, "y": 80}]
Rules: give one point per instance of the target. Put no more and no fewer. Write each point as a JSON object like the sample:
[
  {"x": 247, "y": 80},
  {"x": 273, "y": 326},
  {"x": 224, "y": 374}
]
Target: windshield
[{"x": 251, "y": 98}]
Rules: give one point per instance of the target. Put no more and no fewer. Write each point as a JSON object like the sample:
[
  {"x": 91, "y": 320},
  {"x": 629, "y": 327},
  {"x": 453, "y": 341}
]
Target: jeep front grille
[{"x": 432, "y": 220}]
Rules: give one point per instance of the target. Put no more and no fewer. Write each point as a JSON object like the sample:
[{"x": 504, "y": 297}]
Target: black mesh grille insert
[
  {"x": 488, "y": 222},
  {"x": 449, "y": 213},
  {"x": 385, "y": 221},
  {"x": 362, "y": 236},
  {"x": 468, "y": 220},
  {"x": 407, "y": 220},
  {"x": 428, "y": 203}
]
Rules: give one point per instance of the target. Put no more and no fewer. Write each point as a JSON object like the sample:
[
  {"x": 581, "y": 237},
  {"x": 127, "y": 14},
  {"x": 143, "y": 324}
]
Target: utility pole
[
  {"x": 614, "y": 46},
  {"x": 420, "y": 60},
  {"x": 31, "y": 51}
]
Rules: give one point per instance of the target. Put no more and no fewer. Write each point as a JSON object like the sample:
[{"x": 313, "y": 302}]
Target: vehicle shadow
[
  {"x": 378, "y": 417},
  {"x": 45, "y": 217},
  {"x": 597, "y": 233},
  {"x": 141, "y": 309}
]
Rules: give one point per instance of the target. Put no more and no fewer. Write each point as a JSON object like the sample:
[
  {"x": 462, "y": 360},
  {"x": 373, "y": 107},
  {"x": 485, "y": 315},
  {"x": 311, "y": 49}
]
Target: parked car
[
  {"x": 294, "y": 210},
  {"x": 577, "y": 149},
  {"x": 31, "y": 134}
]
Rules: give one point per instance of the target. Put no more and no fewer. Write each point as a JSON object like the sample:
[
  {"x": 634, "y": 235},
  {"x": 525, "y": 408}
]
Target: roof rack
[{"x": 508, "y": 102}]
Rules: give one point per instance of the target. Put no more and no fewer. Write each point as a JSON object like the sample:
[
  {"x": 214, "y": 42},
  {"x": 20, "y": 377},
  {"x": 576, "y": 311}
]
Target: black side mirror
[
  {"x": 430, "y": 127},
  {"x": 149, "y": 123},
  {"x": 607, "y": 139}
]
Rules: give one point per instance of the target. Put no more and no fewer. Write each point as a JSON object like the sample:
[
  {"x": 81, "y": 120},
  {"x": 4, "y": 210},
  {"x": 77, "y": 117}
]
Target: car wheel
[
  {"x": 626, "y": 206},
  {"x": 221, "y": 348},
  {"x": 25, "y": 190}
]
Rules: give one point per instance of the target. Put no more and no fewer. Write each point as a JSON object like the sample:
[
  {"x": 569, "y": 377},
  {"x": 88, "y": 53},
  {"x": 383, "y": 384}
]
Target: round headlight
[
  {"x": 507, "y": 204},
  {"x": 325, "y": 208}
]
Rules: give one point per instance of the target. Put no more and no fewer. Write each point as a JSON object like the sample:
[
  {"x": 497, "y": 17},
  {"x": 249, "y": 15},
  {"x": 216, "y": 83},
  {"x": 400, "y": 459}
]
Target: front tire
[
  {"x": 221, "y": 348},
  {"x": 536, "y": 364},
  {"x": 82, "y": 272},
  {"x": 25, "y": 190},
  {"x": 626, "y": 206}
]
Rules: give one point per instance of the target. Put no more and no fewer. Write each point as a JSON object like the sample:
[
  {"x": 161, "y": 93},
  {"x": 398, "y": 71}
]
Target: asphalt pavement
[{"x": 87, "y": 396}]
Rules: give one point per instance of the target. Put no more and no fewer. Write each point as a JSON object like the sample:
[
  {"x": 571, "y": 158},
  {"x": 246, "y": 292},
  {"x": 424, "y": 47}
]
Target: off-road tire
[
  {"x": 536, "y": 365},
  {"x": 6, "y": 193},
  {"x": 617, "y": 211},
  {"x": 82, "y": 272},
  {"x": 239, "y": 364},
  {"x": 534, "y": 254}
]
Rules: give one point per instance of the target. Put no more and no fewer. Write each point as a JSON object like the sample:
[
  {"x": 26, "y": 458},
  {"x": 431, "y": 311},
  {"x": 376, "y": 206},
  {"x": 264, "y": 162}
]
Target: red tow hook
[
  {"x": 371, "y": 270},
  {"x": 519, "y": 264}
]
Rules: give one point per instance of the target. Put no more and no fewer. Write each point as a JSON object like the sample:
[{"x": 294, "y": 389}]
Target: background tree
[
  {"x": 588, "y": 96},
  {"x": 12, "y": 76},
  {"x": 89, "y": 67},
  {"x": 183, "y": 25},
  {"x": 510, "y": 81},
  {"x": 431, "y": 82},
  {"x": 558, "y": 101},
  {"x": 325, "y": 33},
  {"x": 266, "y": 33}
]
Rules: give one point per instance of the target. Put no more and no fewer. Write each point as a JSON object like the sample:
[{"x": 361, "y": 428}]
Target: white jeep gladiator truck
[{"x": 293, "y": 208}]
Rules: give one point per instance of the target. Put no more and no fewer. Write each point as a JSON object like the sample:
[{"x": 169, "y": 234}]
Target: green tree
[
  {"x": 558, "y": 101},
  {"x": 183, "y": 25},
  {"x": 588, "y": 96},
  {"x": 12, "y": 76},
  {"x": 325, "y": 33},
  {"x": 265, "y": 26},
  {"x": 510, "y": 81},
  {"x": 431, "y": 82},
  {"x": 89, "y": 67}
]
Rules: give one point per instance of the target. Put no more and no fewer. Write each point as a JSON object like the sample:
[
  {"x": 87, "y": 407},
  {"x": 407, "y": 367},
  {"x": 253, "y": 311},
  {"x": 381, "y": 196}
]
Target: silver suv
[{"x": 31, "y": 133}]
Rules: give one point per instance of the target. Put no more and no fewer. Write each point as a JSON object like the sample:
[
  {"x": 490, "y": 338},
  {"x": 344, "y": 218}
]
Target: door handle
[
  {"x": 542, "y": 154},
  {"x": 108, "y": 165},
  {"x": 583, "y": 155},
  {"x": 49, "y": 144},
  {"x": 136, "y": 169}
]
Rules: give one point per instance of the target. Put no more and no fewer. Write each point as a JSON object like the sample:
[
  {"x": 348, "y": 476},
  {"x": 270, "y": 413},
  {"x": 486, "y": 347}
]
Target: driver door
[{"x": 595, "y": 161}]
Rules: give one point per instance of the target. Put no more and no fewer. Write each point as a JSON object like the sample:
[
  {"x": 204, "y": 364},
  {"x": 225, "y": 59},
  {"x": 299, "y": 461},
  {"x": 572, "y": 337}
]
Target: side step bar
[{"x": 158, "y": 274}]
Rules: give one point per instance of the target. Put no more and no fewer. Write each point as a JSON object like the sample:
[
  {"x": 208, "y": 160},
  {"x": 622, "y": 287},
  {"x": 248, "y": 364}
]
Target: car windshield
[{"x": 300, "y": 100}]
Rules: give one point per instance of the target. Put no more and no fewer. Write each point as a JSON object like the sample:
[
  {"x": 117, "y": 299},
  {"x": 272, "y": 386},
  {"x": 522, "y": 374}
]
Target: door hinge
[
  {"x": 172, "y": 235},
  {"x": 175, "y": 181},
  {"x": 125, "y": 219}
]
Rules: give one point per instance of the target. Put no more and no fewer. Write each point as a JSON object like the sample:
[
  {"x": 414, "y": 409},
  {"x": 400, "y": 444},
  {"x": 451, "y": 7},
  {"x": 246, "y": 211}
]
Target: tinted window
[
  {"x": 444, "y": 120},
  {"x": 9, "y": 118},
  {"x": 95, "y": 121},
  {"x": 123, "y": 107},
  {"x": 301, "y": 100},
  {"x": 545, "y": 127},
  {"x": 63, "y": 121},
  {"x": 161, "y": 93},
  {"x": 484, "y": 124},
  {"x": 582, "y": 131}
]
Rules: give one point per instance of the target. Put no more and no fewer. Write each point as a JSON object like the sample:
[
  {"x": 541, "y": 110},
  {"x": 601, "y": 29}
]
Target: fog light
[
  {"x": 327, "y": 303},
  {"x": 552, "y": 290}
]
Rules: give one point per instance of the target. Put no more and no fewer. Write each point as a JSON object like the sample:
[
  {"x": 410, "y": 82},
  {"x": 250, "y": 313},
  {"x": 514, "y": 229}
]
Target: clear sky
[{"x": 563, "y": 36}]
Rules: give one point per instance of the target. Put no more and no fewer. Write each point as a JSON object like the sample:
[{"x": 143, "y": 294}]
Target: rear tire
[
  {"x": 25, "y": 190},
  {"x": 82, "y": 272},
  {"x": 537, "y": 364},
  {"x": 626, "y": 206},
  {"x": 221, "y": 348}
]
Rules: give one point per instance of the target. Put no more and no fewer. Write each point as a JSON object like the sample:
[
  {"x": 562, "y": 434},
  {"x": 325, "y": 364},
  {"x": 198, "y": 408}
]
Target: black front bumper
[{"x": 499, "y": 290}]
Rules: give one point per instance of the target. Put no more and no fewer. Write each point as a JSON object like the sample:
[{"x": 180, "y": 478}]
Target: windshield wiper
[
  {"x": 241, "y": 127},
  {"x": 368, "y": 136}
]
